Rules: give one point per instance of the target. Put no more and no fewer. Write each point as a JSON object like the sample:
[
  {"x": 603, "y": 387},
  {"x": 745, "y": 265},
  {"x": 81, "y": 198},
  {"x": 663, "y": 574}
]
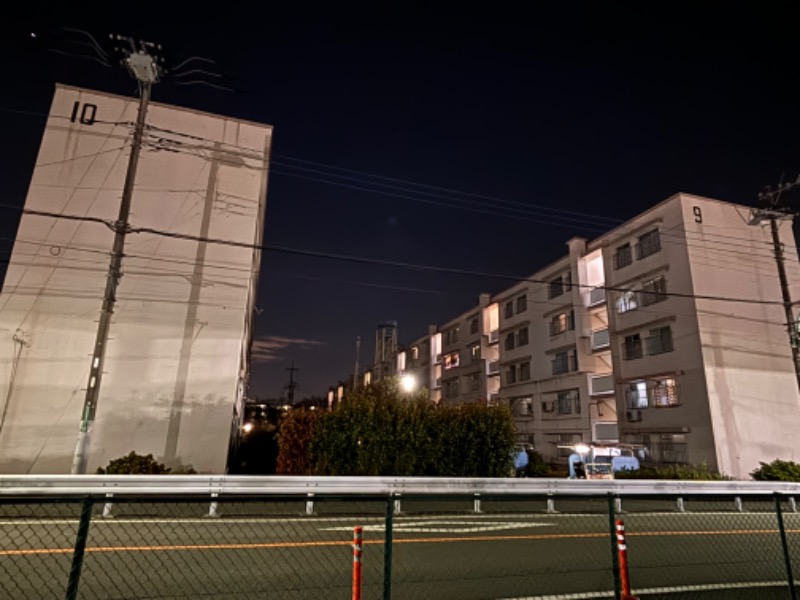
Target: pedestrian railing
[{"x": 402, "y": 538}]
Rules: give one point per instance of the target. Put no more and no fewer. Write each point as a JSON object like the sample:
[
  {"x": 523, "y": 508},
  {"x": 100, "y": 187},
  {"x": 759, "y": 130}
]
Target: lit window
[
  {"x": 665, "y": 393},
  {"x": 637, "y": 395},
  {"x": 451, "y": 360},
  {"x": 627, "y": 301}
]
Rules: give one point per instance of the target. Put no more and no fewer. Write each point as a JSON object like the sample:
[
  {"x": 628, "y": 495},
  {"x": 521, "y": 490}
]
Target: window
[
  {"x": 665, "y": 393},
  {"x": 564, "y": 362},
  {"x": 474, "y": 381},
  {"x": 659, "y": 341},
  {"x": 473, "y": 325},
  {"x": 627, "y": 301},
  {"x": 451, "y": 360},
  {"x": 649, "y": 243},
  {"x": 524, "y": 371},
  {"x": 522, "y": 337},
  {"x": 414, "y": 352},
  {"x": 653, "y": 291},
  {"x": 475, "y": 352},
  {"x": 523, "y": 406},
  {"x": 450, "y": 388},
  {"x": 522, "y": 303},
  {"x": 562, "y": 322},
  {"x": 509, "y": 310},
  {"x": 600, "y": 339},
  {"x": 637, "y": 395},
  {"x": 632, "y": 347},
  {"x": 509, "y": 344},
  {"x": 555, "y": 288},
  {"x": 454, "y": 334},
  {"x": 511, "y": 374},
  {"x": 623, "y": 256},
  {"x": 568, "y": 402}
]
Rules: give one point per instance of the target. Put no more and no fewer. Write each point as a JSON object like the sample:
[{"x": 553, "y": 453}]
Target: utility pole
[
  {"x": 143, "y": 65},
  {"x": 775, "y": 213},
  {"x": 292, "y": 383},
  {"x": 355, "y": 370}
]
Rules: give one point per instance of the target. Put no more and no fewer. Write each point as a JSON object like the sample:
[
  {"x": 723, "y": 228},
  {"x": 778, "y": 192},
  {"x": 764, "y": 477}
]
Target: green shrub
[
  {"x": 683, "y": 472},
  {"x": 777, "y": 470},
  {"x": 382, "y": 431},
  {"x": 293, "y": 443},
  {"x": 537, "y": 467},
  {"x": 134, "y": 464}
]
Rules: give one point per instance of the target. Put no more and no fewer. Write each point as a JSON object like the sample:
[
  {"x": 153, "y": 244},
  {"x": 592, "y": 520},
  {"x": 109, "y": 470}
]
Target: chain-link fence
[{"x": 422, "y": 546}]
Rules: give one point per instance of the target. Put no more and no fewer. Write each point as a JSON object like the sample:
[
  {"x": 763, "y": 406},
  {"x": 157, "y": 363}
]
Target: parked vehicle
[{"x": 600, "y": 462}]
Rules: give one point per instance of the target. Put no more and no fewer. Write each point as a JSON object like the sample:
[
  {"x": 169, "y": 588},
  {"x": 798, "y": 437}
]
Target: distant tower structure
[{"x": 385, "y": 350}]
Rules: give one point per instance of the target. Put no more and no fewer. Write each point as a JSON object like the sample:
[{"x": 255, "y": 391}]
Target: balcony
[
  {"x": 601, "y": 385},
  {"x": 601, "y": 339},
  {"x": 597, "y": 296}
]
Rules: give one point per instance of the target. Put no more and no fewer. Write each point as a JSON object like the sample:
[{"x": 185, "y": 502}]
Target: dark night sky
[{"x": 605, "y": 109}]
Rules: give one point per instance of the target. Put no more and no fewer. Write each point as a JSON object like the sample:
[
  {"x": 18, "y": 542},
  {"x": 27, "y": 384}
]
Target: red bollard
[
  {"x": 358, "y": 553},
  {"x": 622, "y": 552}
]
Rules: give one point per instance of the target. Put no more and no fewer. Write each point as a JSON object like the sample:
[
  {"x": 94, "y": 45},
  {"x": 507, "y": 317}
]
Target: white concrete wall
[{"x": 179, "y": 336}]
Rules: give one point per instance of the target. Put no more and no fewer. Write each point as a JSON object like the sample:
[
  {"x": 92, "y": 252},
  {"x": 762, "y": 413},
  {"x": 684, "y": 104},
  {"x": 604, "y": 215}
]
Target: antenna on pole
[
  {"x": 355, "y": 371},
  {"x": 142, "y": 63},
  {"x": 292, "y": 385}
]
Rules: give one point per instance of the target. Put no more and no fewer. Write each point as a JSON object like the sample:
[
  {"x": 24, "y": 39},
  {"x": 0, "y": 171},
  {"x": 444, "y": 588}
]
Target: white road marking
[
  {"x": 680, "y": 589},
  {"x": 451, "y": 526}
]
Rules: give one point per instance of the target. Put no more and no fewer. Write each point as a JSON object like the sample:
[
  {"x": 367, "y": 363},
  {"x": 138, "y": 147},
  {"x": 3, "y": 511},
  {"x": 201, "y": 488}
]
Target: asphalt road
[{"x": 175, "y": 553}]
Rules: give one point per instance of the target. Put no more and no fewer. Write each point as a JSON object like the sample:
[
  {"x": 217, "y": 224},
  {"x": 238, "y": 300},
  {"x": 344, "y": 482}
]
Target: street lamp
[{"x": 408, "y": 383}]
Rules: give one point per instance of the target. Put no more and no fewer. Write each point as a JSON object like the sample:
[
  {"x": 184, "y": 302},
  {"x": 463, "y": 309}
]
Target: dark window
[
  {"x": 623, "y": 256},
  {"x": 522, "y": 337},
  {"x": 509, "y": 310},
  {"x": 524, "y": 371},
  {"x": 473, "y": 325},
  {"x": 556, "y": 288},
  {"x": 632, "y": 347},
  {"x": 659, "y": 341},
  {"x": 511, "y": 375},
  {"x": 475, "y": 381},
  {"x": 653, "y": 291},
  {"x": 649, "y": 243},
  {"x": 565, "y": 362},
  {"x": 522, "y": 303},
  {"x": 562, "y": 322},
  {"x": 567, "y": 402},
  {"x": 509, "y": 344}
]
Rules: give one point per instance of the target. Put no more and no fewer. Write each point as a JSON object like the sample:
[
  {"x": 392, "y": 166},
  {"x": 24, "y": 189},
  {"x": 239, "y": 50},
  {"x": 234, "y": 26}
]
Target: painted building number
[
  {"x": 698, "y": 215},
  {"x": 84, "y": 113}
]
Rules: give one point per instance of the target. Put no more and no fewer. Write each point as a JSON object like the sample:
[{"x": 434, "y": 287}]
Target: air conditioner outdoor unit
[{"x": 633, "y": 416}]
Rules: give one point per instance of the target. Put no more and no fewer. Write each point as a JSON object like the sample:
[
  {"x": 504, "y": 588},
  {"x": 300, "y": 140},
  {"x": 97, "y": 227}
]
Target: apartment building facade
[{"x": 666, "y": 333}]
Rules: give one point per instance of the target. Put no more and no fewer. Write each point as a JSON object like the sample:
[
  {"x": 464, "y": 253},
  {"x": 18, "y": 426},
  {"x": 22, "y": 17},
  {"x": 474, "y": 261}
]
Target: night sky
[{"x": 531, "y": 127}]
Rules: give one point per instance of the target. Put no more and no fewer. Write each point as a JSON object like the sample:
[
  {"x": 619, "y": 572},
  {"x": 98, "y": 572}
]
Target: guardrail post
[
  {"x": 310, "y": 505},
  {"x": 786, "y": 557},
  {"x": 107, "y": 507},
  {"x": 681, "y": 506},
  {"x": 398, "y": 508},
  {"x": 212, "y": 507},
  {"x": 551, "y": 503},
  {"x": 80, "y": 548},
  {"x": 618, "y": 505},
  {"x": 387, "y": 550},
  {"x": 737, "y": 503},
  {"x": 476, "y": 504},
  {"x": 612, "y": 522},
  {"x": 792, "y": 504}
]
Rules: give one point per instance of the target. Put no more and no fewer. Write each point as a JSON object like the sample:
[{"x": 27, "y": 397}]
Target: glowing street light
[
  {"x": 408, "y": 383},
  {"x": 247, "y": 427}
]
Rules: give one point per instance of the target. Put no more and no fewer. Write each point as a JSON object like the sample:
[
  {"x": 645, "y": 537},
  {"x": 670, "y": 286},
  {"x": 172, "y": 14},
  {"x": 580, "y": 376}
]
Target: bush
[
  {"x": 537, "y": 467},
  {"x": 382, "y": 431},
  {"x": 777, "y": 470},
  {"x": 135, "y": 464},
  {"x": 682, "y": 472}
]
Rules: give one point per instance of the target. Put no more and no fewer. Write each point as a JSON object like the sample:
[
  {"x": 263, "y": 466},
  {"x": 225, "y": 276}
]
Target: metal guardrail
[{"x": 72, "y": 485}]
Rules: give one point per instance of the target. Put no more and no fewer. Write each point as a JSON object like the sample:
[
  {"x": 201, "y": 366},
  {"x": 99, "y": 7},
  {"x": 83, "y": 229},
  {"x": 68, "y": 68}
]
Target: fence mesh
[{"x": 443, "y": 547}]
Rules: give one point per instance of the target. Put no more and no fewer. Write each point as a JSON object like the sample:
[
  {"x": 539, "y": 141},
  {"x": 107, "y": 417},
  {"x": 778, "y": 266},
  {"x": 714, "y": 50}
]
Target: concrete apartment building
[{"x": 633, "y": 337}]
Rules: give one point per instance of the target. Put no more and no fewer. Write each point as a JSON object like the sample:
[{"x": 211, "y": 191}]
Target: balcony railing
[
  {"x": 597, "y": 296},
  {"x": 600, "y": 339},
  {"x": 601, "y": 384},
  {"x": 493, "y": 367},
  {"x": 494, "y": 336}
]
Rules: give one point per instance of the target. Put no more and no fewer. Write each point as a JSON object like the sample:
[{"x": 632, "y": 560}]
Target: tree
[{"x": 135, "y": 464}]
